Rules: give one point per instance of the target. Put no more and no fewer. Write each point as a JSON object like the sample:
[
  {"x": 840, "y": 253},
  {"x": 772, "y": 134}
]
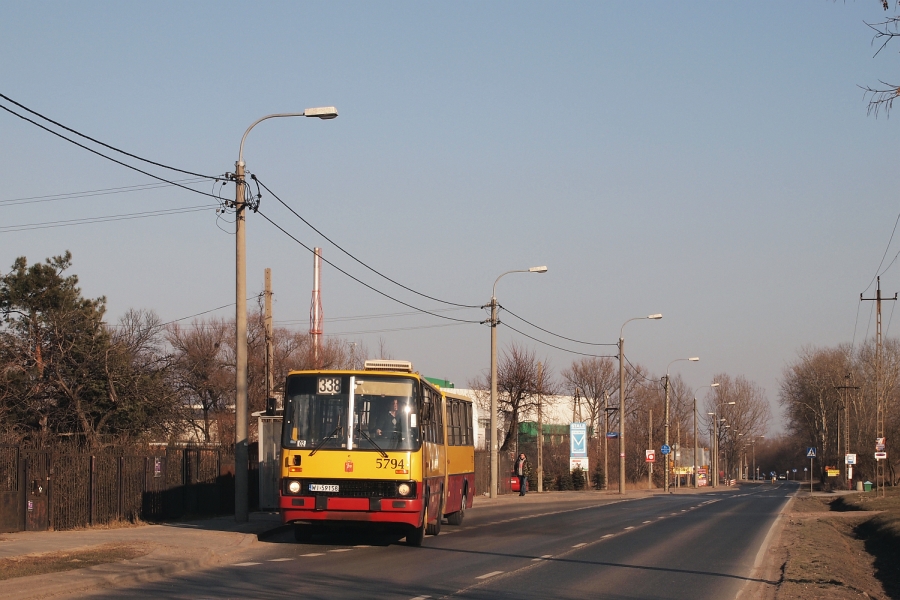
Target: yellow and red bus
[{"x": 373, "y": 448}]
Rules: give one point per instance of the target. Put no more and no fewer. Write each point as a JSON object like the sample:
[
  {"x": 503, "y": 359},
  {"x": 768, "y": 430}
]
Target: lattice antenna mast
[
  {"x": 879, "y": 400},
  {"x": 315, "y": 309}
]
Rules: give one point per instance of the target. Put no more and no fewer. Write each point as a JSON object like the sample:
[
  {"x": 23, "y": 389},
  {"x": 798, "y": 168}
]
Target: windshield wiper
[
  {"x": 366, "y": 435},
  {"x": 325, "y": 439}
]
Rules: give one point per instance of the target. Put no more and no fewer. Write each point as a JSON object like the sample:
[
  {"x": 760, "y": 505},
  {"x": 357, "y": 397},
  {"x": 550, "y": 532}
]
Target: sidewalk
[{"x": 173, "y": 547}]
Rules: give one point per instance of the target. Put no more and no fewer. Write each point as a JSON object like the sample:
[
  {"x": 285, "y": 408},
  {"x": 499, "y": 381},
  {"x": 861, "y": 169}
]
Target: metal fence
[{"x": 80, "y": 490}]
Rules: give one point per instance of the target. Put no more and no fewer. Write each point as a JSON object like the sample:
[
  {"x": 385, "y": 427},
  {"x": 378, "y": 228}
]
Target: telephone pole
[{"x": 879, "y": 402}]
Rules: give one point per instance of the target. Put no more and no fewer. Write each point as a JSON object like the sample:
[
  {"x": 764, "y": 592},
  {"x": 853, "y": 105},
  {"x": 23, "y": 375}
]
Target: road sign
[
  {"x": 810, "y": 452},
  {"x": 772, "y": 473},
  {"x": 879, "y": 444},
  {"x": 849, "y": 459},
  {"x": 577, "y": 440},
  {"x": 612, "y": 434},
  {"x": 880, "y": 455},
  {"x": 794, "y": 470},
  {"x": 651, "y": 456},
  {"x": 665, "y": 449}
]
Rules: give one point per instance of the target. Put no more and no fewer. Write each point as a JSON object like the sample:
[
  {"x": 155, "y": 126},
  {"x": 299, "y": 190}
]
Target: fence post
[
  {"x": 120, "y": 500},
  {"x": 91, "y": 492}
]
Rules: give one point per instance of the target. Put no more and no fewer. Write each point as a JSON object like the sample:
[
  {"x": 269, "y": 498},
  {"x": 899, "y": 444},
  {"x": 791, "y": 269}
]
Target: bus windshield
[{"x": 385, "y": 412}]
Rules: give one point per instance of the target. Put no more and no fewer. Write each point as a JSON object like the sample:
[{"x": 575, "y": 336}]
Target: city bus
[{"x": 372, "y": 448}]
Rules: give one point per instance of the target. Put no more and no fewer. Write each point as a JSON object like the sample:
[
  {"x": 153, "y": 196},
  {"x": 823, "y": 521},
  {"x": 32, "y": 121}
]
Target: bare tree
[
  {"x": 743, "y": 410},
  {"x": 595, "y": 378},
  {"x": 517, "y": 388}
]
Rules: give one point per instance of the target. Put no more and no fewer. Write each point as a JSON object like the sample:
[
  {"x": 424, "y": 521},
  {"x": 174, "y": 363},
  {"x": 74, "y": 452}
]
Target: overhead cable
[
  {"x": 363, "y": 283},
  {"x": 336, "y": 245},
  {"x": 69, "y": 129}
]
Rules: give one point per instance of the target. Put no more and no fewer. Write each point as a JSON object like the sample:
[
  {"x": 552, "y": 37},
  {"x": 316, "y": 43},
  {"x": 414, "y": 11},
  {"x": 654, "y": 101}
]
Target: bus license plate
[{"x": 319, "y": 487}]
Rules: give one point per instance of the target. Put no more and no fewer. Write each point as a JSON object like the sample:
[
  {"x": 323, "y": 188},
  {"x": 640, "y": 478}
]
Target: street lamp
[
  {"x": 495, "y": 463},
  {"x": 622, "y": 398},
  {"x": 715, "y": 416},
  {"x": 666, "y": 456},
  {"x": 241, "y": 418},
  {"x": 712, "y": 385},
  {"x": 753, "y": 447}
]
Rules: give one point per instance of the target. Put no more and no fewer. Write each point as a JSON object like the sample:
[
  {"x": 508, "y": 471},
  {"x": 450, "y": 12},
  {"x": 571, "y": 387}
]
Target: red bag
[{"x": 514, "y": 484}]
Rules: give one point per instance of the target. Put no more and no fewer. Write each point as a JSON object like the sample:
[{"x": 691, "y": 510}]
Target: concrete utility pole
[
  {"x": 605, "y": 433},
  {"x": 495, "y": 446},
  {"x": 650, "y": 446},
  {"x": 241, "y": 406},
  {"x": 270, "y": 345},
  {"x": 622, "y": 398},
  {"x": 879, "y": 400},
  {"x": 540, "y": 431},
  {"x": 666, "y": 423}
]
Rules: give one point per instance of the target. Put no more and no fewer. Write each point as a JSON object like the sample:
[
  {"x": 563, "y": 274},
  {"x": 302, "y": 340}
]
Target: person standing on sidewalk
[{"x": 521, "y": 471}]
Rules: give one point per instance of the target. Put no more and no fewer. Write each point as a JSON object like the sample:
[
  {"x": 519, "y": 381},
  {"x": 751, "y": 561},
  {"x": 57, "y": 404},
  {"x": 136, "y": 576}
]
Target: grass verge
[{"x": 53, "y": 562}]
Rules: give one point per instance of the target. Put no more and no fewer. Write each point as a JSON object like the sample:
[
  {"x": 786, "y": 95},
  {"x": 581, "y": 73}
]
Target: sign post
[{"x": 811, "y": 453}]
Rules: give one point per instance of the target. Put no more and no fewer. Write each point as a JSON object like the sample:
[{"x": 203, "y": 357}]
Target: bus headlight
[
  {"x": 294, "y": 487},
  {"x": 403, "y": 489}
]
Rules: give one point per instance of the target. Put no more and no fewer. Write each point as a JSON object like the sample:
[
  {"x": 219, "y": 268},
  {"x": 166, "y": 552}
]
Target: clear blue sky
[{"x": 710, "y": 161}]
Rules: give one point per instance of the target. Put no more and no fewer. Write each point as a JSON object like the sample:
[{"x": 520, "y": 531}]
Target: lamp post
[
  {"x": 622, "y": 398},
  {"x": 712, "y": 385},
  {"x": 666, "y": 456},
  {"x": 753, "y": 448},
  {"x": 715, "y": 416},
  {"x": 495, "y": 463},
  {"x": 241, "y": 418}
]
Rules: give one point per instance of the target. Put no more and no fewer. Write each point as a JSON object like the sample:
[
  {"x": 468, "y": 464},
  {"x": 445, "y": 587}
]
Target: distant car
[{"x": 782, "y": 477}]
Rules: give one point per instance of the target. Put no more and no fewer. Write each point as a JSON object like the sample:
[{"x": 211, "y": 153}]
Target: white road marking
[
  {"x": 341, "y": 550},
  {"x": 313, "y": 554},
  {"x": 491, "y": 574},
  {"x": 630, "y": 527},
  {"x": 246, "y": 564},
  {"x": 580, "y": 545},
  {"x": 607, "y": 535},
  {"x": 420, "y": 598},
  {"x": 367, "y": 546},
  {"x": 279, "y": 559},
  {"x": 646, "y": 521},
  {"x": 544, "y": 557}
]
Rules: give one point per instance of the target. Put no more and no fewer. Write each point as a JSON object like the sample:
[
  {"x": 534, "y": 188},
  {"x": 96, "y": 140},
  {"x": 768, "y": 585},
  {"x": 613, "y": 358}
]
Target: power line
[
  {"x": 345, "y": 333},
  {"x": 104, "y": 219},
  {"x": 91, "y": 193},
  {"x": 377, "y": 291},
  {"x": 365, "y": 317},
  {"x": 69, "y": 129},
  {"x": 109, "y": 158},
  {"x": 557, "y": 347},
  {"x": 556, "y": 334},
  {"x": 333, "y": 243}
]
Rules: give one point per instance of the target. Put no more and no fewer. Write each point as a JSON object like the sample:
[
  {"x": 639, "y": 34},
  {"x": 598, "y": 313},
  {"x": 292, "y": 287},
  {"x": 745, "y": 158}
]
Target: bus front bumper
[{"x": 364, "y": 510}]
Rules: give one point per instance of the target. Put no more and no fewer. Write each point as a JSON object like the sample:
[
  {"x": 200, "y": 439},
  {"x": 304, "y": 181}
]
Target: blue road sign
[
  {"x": 772, "y": 473},
  {"x": 810, "y": 452},
  {"x": 665, "y": 449},
  {"x": 612, "y": 434}
]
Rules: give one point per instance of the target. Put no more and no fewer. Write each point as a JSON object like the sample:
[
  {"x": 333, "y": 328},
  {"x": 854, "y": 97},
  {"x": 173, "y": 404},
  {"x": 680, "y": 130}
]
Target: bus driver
[{"x": 388, "y": 425}]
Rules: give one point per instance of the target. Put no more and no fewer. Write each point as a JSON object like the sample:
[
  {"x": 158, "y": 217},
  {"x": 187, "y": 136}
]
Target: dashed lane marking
[
  {"x": 629, "y": 527},
  {"x": 544, "y": 557},
  {"x": 580, "y": 545},
  {"x": 646, "y": 522},
  {"x": 420, "y": 598},
  {"x": 487, "y": 575},
  {"x": 607, "y": 535},
  {"x": 313, "y": 554},
  {"x": 279, "y": 559},
  {"x": 246, "y": 564},
  {"x": 341, "y": 550}
]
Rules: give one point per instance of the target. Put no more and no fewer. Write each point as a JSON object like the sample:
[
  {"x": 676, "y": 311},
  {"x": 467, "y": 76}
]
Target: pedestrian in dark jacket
[{"x": 521, "y": 471}]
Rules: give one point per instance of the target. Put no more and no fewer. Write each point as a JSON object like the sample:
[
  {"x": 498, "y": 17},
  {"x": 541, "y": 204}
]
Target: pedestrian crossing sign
[{"x": 810, "y": 452}]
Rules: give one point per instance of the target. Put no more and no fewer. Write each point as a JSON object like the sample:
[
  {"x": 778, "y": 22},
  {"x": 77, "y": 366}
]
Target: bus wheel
[
  {"x": 457, "y": 517},
  {"x": 416, "y": 536},
  {"x": 435, "y": 528}
]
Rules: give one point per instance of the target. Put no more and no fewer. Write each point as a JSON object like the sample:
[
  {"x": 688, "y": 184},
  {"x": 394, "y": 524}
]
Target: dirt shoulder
[{"x": 839, "y": 547}]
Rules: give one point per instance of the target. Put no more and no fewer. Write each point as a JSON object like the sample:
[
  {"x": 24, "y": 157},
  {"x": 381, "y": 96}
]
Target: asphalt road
[{"x": 677, "y": 546}]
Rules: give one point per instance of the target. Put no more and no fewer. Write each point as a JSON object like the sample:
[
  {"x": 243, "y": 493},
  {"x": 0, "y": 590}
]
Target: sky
[{"x": 713, "y": 162}]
